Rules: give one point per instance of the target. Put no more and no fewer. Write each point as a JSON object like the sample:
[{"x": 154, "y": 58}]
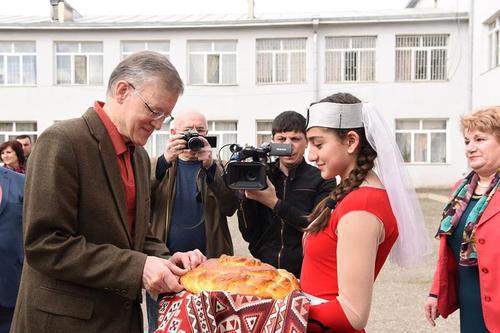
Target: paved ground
[{"x": 399, "y": 293}]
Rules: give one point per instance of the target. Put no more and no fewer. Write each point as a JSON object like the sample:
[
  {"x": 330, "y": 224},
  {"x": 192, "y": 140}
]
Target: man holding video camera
[
  {"x": 272, "y": 220},
  {"x": 189, "y": 200}
]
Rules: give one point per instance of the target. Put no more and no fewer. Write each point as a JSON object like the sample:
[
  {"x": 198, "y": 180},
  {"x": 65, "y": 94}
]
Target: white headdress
[{"x": 413, "y": 241}]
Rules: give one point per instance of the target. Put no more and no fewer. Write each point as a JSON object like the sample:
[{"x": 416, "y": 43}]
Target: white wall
[
  {"x": 485, "y": 81},
  {"x": 247, "y": 102},
  {"x": 417, "y": 99}
]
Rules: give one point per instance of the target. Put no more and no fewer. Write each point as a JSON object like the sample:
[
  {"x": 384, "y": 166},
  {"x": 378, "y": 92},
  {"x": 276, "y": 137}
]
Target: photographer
[
  {"x": 272, "y": 220},
  {"x": 189, "y": 199}
]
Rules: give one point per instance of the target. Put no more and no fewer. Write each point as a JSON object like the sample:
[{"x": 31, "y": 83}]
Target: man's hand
[
  {"x": 175, "y": 146},
  {"x": 205, "y": 154},
  {"x": 161, "y": 276},
  {"x": 266, "y": 197},
  {"x": 431, "y": 310},
  {"x": 188, "y": 260}
]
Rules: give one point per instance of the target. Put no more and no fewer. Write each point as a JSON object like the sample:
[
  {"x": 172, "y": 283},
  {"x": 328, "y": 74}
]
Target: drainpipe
[
  {"x": 471, "y": 54},
  {"x": 315, "y": 73}
]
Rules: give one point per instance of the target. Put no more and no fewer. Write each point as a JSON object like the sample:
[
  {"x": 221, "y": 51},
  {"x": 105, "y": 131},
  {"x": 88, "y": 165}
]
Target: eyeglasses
[{"x": 155, "y": 115}]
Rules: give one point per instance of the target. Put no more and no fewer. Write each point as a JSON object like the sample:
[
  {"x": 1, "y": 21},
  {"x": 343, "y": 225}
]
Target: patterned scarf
[{"x": 456, "y": 207}]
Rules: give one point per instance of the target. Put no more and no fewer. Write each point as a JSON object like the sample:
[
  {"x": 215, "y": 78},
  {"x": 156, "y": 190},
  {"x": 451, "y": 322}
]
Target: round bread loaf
[{"x": 239, "y": 275}]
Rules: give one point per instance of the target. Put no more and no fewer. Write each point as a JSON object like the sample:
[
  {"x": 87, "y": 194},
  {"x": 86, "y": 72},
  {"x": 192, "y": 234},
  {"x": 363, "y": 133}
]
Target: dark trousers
[
  {"x": 6, "y": 315},
  {"x": 152, "y": 308}
]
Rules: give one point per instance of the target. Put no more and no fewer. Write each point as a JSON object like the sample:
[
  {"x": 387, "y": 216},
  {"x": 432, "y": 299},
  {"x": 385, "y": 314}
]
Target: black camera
[
  {"x": 194, "y": 142},
  {"x": 241, "y": 173}
]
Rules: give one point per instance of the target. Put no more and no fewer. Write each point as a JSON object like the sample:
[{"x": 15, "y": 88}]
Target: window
[
  {"x": 350, "y": 59},
  {"x": 422, "y": 140},
  {"x": 494, "y": 43},
  {"x": 264, "y": 131},
  {"x": 421, "y": 57},
  {"x": 79, "y": 63},
  {"x": 226, "y": 133},
  {"x": 158, "y": 140},
  {"x": 212, "y": 62},
  {"x": 281, "y": 60},
  {"x": 160, "y": 46},
  {"x": 17, "y": 63},
  {"x": 10, "y": 129}
]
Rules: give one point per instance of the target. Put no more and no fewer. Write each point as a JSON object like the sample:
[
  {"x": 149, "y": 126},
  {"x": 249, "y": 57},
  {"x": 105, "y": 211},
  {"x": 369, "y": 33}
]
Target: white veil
[{"x": 413, "y": 241}]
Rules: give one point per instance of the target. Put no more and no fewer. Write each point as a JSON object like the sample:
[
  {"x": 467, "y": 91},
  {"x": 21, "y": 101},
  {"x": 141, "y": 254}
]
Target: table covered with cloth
[{"x": 219, "y": 311}]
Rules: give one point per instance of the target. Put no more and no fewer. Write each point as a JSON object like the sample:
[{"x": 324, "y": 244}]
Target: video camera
[
  {"x": 251, "y": 175},
  {"x": 195, "y": 143}
]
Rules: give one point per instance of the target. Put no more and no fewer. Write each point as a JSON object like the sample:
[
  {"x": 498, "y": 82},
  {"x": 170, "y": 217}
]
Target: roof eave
[{"x": 226, "y": 24}]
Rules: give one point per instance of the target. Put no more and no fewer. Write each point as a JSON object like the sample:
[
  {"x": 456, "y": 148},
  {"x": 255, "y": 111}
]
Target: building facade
[
  {"x": 412, "y": 63},
  {"x": 486, "y": 53}
]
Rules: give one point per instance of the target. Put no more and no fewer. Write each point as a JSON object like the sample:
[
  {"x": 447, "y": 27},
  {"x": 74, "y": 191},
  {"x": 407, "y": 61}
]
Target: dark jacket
[
  {"x": 83, "y": 267},
  {"x": 11, "y": 235},
  {"x": 275, "y": 235},
  {"x": 218, "y": 203}
]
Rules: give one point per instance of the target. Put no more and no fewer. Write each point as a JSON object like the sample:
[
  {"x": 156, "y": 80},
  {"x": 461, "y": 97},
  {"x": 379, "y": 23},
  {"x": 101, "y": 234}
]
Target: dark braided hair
[{"x": 364, "y": 163}]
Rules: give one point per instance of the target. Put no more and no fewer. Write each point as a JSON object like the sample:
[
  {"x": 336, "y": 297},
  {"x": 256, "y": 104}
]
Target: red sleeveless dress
[{"x": 319, "y": 268}]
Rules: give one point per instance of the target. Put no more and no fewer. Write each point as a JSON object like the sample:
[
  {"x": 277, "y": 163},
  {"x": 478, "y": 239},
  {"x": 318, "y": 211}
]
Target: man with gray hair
[
  {"x": 189, "y": 199},
  {"x": 89, "y": 249}
]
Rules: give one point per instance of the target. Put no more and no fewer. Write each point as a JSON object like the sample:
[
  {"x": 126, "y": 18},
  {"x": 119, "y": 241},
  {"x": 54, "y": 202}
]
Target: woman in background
[
  {"x": 354, "y": 229},
  {"x": 12, "y": 155},
  {"x": 11, "y": 243},
  {"x": 467, "y": 274}
]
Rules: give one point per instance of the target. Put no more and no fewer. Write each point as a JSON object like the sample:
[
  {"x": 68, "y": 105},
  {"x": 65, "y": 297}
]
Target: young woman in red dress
[{"x": 353, "y": 230}]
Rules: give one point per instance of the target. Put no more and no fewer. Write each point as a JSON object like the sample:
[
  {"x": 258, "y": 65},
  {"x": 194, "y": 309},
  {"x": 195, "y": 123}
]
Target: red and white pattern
[{"x": 221, "y": 312}]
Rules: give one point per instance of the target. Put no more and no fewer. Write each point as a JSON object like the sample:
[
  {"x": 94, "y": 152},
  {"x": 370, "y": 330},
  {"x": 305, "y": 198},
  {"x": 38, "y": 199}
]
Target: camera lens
[
  {"x": 195, "y": 144},
  {"x": 251, "y": 176}
]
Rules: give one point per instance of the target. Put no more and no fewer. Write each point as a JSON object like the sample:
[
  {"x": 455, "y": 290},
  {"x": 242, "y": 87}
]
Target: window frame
[
  {"x": 262, "y": 133},
  {"x": 146, "y": 47},
  {"x": 220, "y": 135},
  {"x": 72, "y": 56},
  {"x": 20, "y": 56},
  {"x": 275, "y": 54},
  {"x": 428, "y": 132},
  {"x": 428, "y": 57},
  {"x": 493, "y": 28},
  {"x": 206, "y": 55},
  {"x": 4, "y": 135},
  {"x": 358, "y": 51}
]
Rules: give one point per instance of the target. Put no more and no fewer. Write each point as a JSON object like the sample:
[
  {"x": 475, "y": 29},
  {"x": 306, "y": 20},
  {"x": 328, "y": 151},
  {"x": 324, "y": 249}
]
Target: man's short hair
[
  {"x": 144, "y": 66},
  {"x": 23, "y": 136},
  {"x": 289, "y": 121}
]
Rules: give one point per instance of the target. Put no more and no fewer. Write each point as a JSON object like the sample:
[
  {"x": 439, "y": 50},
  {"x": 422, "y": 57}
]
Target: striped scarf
[{"x": 456, "y": 207}]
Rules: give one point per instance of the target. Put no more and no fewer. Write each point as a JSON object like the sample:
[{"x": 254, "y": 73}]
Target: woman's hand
[{"x": 431, "y": 310}]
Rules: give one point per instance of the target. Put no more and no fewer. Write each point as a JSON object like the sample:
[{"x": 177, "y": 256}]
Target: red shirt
[
  {"x": 124, "y": 152},
  {"x": 319, "y": 268}
]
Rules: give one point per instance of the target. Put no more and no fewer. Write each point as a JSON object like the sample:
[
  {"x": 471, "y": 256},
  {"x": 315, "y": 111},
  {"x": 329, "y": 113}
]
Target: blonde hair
[{"x": 486, "y": 120}]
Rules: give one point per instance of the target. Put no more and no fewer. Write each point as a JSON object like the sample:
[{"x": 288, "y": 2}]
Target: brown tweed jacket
[{"x": 83, "y": 268}]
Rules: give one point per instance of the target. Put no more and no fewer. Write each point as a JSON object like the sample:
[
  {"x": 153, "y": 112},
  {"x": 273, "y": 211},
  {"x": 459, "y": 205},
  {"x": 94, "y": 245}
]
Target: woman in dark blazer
[{"x": 11, "y": 242}]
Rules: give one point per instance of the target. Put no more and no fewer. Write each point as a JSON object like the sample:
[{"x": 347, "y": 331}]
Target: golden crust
[{"x": 239, "y": 275}]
